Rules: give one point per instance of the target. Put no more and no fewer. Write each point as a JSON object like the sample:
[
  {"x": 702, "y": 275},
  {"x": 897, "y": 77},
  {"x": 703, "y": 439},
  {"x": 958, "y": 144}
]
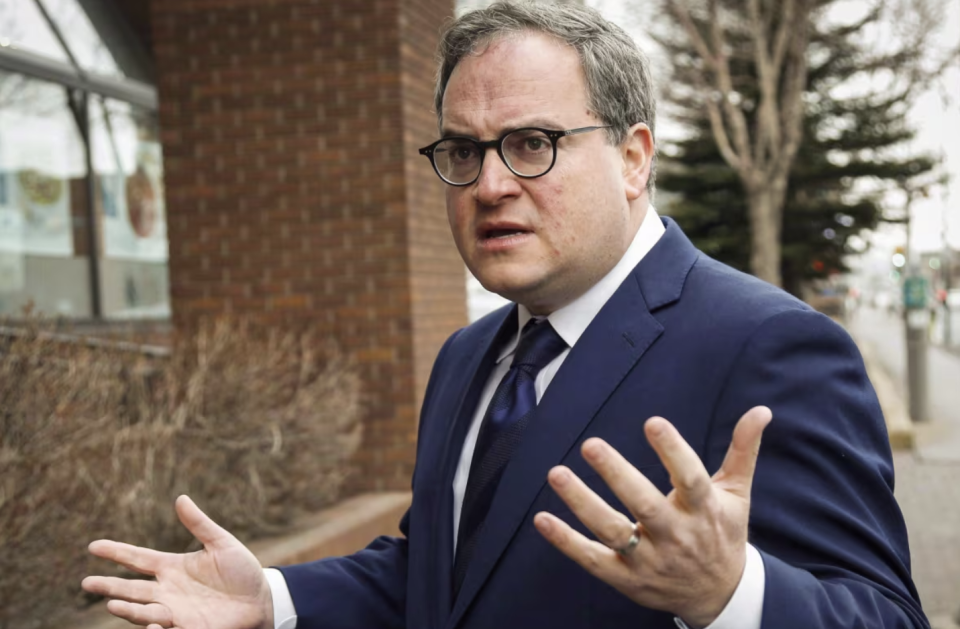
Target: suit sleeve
[
  {"x": 823, "y": 514},
  {"x": 365, "y": 589},
  {"x": 362, "y": 590}
]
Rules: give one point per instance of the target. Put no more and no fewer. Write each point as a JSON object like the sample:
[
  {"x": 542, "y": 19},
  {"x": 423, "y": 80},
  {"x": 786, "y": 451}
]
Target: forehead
[{"x": 525, "y": 78}]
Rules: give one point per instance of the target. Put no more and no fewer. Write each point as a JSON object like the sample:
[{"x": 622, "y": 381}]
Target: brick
[{"x": 295, "y": 193}]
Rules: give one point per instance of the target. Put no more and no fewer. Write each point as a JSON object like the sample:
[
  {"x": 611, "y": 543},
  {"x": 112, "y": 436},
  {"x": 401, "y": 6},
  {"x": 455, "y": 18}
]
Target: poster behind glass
[
  {"x": 43, "y": 244},
  {"x": 129, "y": 172}
]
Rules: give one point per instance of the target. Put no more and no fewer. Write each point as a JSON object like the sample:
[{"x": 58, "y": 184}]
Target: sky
[{"x": 936, "y": 116}]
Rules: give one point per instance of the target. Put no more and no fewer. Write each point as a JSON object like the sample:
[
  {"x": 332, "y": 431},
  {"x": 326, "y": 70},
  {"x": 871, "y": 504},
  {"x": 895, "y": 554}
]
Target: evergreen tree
[{"x": 852, "y": 148}]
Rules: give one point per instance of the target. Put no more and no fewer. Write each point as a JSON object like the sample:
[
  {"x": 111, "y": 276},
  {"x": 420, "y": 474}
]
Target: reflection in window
[
  {"x": 43, "y": 242},
  {"x": 23, "y": 26},
  {"x": 81, "y": 37},
  {"x": 129, "y": 176}
]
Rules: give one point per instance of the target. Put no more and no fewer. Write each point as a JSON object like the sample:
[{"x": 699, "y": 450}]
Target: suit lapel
[
  {"x": 475, "y": 373},
  {"x": 610, "y": 347},
  {"x": 601, "y": 358}
]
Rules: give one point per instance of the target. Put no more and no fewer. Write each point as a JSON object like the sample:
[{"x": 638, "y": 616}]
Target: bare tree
[
  {"x": 747, "y": 68},
  {"x": 761, "y": 153}
]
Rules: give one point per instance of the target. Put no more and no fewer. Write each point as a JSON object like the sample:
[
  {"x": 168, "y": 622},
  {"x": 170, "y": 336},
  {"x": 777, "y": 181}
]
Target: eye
[
  {"x": 527, "y": 144},
  {"x": 463, "y": 153},
  {"x": 457, "y": 152},
  {"x": 534, "y": 144}
]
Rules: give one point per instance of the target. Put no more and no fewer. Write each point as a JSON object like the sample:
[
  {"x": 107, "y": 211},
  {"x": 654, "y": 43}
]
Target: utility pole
[
  {"x": 946, "y": 271},
  {"x": 916, "y": 318}
]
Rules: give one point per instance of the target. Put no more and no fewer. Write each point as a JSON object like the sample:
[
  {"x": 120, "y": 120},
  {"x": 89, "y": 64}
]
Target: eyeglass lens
[{"x": 527, "y": 152}]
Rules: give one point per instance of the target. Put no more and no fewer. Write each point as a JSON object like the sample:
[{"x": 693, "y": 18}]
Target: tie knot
[{"x": 539, "y": 344}]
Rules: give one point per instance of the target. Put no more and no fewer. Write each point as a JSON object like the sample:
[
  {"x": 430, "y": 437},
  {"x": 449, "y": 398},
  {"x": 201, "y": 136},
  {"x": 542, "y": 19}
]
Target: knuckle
[
  {"x": 646, "y": 510},
  {"x": 593, "y": 562},
  {"x": 684, "y": 481}
]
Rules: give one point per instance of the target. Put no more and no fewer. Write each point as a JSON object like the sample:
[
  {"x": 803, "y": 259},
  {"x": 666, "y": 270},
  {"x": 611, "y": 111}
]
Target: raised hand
[
  {"x": 221, "y": 586},
  {"x": 684, "y": 552}
]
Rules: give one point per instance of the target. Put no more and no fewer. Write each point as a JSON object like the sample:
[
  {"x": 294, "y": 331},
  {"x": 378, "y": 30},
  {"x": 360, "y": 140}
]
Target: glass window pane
[
  {"x": 128, "y": 163},
  {"x": 43, "y": 210},
  {"x": 22, "y": 26},
  {"x": 81, "y": 37}
]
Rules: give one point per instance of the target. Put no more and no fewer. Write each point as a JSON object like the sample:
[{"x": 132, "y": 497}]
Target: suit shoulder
[
  {"x": 727, "y": 292},
  {"x": 723, "y": 305}
]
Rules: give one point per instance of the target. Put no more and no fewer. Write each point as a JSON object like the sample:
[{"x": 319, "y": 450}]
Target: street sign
[{"x": 915, "y": 292}]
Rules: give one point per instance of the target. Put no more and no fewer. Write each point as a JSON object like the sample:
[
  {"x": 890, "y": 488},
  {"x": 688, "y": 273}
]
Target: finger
[
  {"x": 740, "y": 462},
  {"x": 134, "y": 590},
  {"x": 645, "y": 502},
  {"x": 207, "y": 532},
  {"x": 609, "y": 525},
  {"x": 151, "y": 614},
  {"x": 136, "y": 558},
  {"x": 600, "y": 561},
  {"x": 687, "y": 474}
]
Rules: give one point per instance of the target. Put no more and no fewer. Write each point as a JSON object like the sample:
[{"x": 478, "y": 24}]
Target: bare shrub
[{"x": 255, "y": 425}]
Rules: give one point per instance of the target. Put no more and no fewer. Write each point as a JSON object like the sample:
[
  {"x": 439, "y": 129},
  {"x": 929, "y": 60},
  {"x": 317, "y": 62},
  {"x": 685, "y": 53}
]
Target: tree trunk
[{"x": 765, "y": 203}]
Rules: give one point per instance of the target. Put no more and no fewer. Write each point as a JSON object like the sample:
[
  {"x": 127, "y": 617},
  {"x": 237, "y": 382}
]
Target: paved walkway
[
  {"x": 929, "y": 496},
  {"x": 927, "y": 478}
]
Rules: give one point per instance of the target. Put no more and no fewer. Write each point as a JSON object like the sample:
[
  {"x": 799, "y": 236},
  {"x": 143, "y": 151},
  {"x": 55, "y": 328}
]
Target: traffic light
[{"x": 898, "y": 258}]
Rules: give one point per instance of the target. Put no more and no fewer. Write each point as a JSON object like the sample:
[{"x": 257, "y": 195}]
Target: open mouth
[{"x": 493, "y": 234}]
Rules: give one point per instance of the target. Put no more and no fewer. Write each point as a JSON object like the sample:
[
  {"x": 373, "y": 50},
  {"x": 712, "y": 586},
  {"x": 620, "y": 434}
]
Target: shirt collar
[{"x": 572, "y": 320}]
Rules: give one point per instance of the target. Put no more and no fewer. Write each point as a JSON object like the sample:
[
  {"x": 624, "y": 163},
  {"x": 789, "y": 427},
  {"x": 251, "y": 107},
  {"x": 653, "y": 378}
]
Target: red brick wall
[
  {"x": 295, "y": 193},
  {"x": 437, "y": 274}
]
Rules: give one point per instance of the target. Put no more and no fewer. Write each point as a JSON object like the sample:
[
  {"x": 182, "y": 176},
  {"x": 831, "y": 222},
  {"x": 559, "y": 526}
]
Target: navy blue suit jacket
[{"x": 689, "y": 339}]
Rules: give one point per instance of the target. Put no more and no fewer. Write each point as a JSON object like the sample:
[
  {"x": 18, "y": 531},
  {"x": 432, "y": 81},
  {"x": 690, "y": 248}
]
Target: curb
[{"x": 342, "y": 529}]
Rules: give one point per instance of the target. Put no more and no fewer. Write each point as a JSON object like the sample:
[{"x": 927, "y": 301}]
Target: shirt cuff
[
  {"x": 745, "y": 609},
  {"x": 284, "y": 613}
]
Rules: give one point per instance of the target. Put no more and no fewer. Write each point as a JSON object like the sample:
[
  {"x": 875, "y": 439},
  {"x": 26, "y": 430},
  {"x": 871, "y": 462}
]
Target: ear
[{"x": 637, "y": 151}]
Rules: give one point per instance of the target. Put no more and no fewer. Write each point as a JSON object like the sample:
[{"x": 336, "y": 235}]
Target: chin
[{"x": 506, "y": 288}]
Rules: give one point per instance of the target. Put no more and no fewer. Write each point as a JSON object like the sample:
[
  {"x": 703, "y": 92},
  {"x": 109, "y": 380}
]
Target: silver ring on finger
[{"x": 632, "y": 542}]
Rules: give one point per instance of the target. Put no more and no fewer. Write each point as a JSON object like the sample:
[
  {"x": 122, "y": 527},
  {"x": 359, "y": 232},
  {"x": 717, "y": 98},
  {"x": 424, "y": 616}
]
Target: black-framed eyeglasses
[{"x": 528, "y": 152}]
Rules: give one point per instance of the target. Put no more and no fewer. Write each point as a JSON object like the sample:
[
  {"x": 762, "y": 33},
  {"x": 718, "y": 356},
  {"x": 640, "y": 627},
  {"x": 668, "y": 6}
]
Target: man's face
[{"x": 540, "y": 242}]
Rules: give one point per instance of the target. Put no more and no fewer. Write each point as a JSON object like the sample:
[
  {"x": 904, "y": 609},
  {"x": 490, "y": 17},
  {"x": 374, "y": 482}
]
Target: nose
[{"x": 496, "y": 182}]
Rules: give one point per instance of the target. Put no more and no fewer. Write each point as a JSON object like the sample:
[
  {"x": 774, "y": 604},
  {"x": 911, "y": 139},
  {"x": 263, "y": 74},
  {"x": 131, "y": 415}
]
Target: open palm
[{"x": 221, "y": 586}]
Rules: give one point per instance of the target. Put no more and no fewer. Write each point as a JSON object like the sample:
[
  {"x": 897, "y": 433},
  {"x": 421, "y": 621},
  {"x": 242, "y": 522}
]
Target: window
[
  {"x": 23, "y": 26},
  {"x": 44, "y": 247},
  {"x": 77, "y": 241},
  {"x": 128, "y": 164}
]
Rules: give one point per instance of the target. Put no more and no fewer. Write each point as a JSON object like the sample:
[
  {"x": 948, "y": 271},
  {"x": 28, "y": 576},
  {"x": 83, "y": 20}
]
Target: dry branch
[{"x": 98, "y": 443}]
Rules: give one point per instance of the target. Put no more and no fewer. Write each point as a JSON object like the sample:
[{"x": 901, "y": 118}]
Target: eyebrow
[{"x": 542, "y": 123}]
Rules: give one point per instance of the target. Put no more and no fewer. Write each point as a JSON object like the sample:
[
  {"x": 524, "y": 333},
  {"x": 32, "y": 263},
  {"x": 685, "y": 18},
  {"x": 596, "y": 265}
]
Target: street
[{"x": 928, "y": 478}]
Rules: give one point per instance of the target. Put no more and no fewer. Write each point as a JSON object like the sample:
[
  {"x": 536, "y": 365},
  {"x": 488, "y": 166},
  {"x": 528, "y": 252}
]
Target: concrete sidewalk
[
  {"x": 928, "y": 490},
  {"x": 929, "y": 496}
]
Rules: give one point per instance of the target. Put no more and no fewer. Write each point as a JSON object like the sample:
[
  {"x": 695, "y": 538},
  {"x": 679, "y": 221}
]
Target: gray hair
[{"x": 619, "y": 87}]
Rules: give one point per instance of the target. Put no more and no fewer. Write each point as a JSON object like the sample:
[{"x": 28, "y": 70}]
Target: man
[{"x": 533, "y": 449}]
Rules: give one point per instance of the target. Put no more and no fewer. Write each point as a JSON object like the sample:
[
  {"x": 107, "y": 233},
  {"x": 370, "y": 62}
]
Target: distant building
[{"x": 941, "y": 268}]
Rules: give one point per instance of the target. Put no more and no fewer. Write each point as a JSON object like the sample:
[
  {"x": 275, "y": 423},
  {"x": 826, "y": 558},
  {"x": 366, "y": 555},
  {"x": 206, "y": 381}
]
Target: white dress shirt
[{"x": 745, "y": 608}]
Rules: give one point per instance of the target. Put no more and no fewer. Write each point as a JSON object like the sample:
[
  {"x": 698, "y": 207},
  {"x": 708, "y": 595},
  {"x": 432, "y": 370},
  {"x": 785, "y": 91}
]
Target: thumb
[
  {"x": 740, "y": 462},
  {"x": 208, "y": 532}
]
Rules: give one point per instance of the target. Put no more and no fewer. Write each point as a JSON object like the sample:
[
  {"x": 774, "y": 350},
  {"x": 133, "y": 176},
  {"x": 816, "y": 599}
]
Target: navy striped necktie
[{"x": 500, "y": 432}]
